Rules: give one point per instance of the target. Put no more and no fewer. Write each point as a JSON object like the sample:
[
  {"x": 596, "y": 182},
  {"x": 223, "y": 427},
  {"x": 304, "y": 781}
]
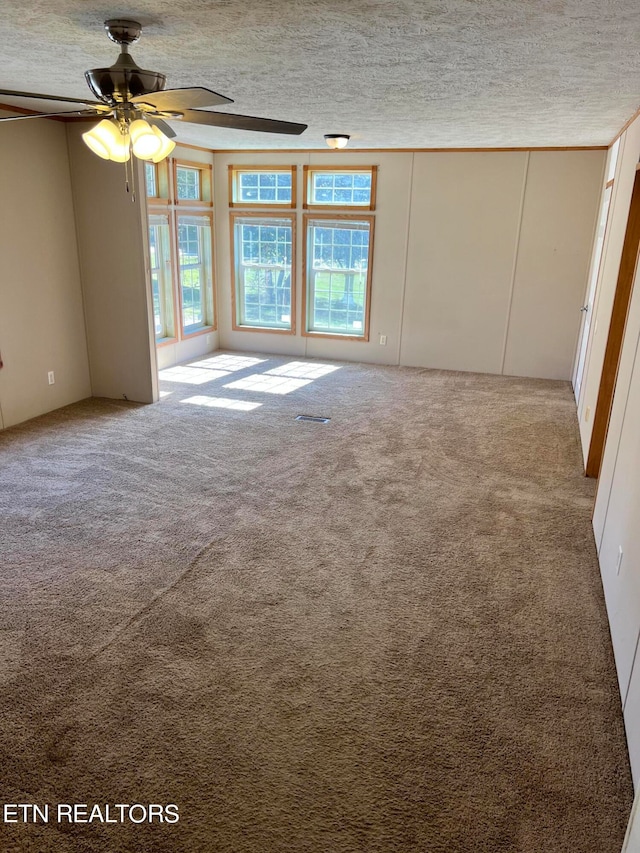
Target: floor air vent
[{"x": 313, "y": 419}]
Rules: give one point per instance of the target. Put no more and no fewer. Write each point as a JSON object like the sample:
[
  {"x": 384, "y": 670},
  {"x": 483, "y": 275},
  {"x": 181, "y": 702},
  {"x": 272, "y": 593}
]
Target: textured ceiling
[{"x": 392, "y": 73}]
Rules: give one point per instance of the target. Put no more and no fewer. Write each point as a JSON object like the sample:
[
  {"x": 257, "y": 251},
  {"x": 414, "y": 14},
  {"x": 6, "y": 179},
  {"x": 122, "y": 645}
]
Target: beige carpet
[{"x": 385, "y": 633}]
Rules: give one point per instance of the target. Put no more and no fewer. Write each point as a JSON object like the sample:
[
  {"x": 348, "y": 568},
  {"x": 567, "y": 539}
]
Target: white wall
[
  {"x": 117, "y": 297},
  {"x": 557, "y": 230},
  {"x": 465, "y": 221},
  {"x": 41, "y": 316},
  {"x": 180, "y": 351},
  {"x": 480, "y": 259}
]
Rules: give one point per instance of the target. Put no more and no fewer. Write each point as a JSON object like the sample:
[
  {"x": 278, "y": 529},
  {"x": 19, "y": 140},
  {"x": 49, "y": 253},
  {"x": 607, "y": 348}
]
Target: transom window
[
  {"x": 258, "y": 186},
  {"x": 264, "y": 259},
  {"x": 348, "y": 188},
  {"x": 264, "y": 186},
  {"x": 188, "y": 183},
  {"x": 338, "y": 276}
]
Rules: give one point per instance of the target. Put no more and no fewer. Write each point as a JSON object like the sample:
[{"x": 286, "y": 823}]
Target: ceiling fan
[{"x": 134, "y": 106}]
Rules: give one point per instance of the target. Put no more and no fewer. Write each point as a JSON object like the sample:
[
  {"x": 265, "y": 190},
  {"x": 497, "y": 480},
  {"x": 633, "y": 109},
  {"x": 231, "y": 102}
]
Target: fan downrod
[{"x": 123, "y": 31}]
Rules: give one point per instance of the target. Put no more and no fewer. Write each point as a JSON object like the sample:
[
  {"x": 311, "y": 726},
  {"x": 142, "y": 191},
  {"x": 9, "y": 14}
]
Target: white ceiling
[{"x": 392, "y": 73}]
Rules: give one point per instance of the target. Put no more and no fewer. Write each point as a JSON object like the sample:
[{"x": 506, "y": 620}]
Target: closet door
[{"x": 620, "y": 548}]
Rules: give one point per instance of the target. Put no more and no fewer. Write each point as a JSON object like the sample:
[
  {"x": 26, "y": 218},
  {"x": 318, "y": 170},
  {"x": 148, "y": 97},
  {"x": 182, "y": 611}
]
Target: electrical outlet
[
  {"x": 51, "y": 377},
  {"x": 619, "y": 560},
  {"x": 383, "y": 340},
  {"x": 586, "y": 414}
]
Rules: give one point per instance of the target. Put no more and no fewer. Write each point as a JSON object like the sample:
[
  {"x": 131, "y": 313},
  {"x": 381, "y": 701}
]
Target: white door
[
  {"x": 587, "y": 308},
  {"x": 594, "y": 275}
]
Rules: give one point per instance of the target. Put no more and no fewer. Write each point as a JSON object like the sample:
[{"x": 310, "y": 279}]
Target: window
[
  {"x": 157, "y": 182},
  {"x": 160, "y": 270},
  {"x": 151, "y": 178},
  {"x": 264, "y": 258},
  {"x": 192, "y": 183},
  {"x": 259, "y": 186},
  {"x": 188, "y": 183},
  {"x": 196, "y": 272},
  {"x": 180, "y": 248},
  {"x": 338, "y": 275},
  {"x": 348, "y": 188},
  {"x": 337, "y": 249}
]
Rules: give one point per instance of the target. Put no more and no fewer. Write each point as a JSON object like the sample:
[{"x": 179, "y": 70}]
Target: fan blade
[
  {"x": 178, "y": 100},
  {"x": 266, "y": 125},
  {"x": 71, "y": 117},
  {"x": 161, "y": 125},
  {"x": 60, "y": 98},
  {"x": 77, "y": 114}
]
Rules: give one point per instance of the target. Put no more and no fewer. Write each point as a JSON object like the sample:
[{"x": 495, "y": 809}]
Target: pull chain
[
  {"x": 126, "y": 175},
  {"x": 130, "y": 177}
]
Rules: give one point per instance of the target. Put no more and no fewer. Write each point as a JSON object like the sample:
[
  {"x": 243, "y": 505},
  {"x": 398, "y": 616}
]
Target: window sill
[
  {"x": 262, "y": 205},
  {"x": 163, "y": 342},
  {"x": 337, "y": 336},
  {"x": 200, "y": 330},
  {"x": 270, "y": 330}
]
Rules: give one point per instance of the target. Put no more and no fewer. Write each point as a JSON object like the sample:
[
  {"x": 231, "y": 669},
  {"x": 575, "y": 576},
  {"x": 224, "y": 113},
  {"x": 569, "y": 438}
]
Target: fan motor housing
[
  {"x": 117, "y": 84},
  {"x": 124, "y": 79}
]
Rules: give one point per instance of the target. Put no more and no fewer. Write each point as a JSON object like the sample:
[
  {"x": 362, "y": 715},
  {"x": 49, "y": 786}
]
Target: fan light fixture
[
  {"x": 113, "y": 140},
  {"x": 337, "y": 140}
]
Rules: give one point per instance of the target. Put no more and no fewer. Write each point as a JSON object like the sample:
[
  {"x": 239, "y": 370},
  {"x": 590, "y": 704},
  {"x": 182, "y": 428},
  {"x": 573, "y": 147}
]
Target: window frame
[
  {"x": 206, "y": 183},
  {"x": 235, "y": 171},
  {"x": 162, "y": 172},
  {"x": 172, "y": 297},
  {"x": 168, "y": 204},
  {"x": 291, "y": 218},
  {"x": 205, "y": 328},
  {"x": 306, "y": 302},
  {"x": 308, "y": 172}
]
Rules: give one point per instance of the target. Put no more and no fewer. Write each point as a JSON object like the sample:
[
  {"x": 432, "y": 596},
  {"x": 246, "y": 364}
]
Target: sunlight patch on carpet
[
  {"x": 228, "y": 362},
  {"x": 191, "y": 375},
  {"x": 269, "y": 384},
  {"x": 223, "y": 403},
  {"x": 302, "y": 370}
]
